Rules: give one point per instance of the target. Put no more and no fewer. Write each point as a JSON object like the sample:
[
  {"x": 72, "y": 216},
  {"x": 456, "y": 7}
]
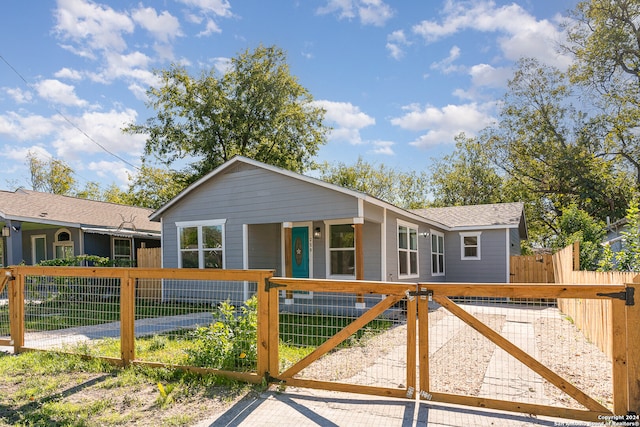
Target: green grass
[{"x": 49, "y": 389}]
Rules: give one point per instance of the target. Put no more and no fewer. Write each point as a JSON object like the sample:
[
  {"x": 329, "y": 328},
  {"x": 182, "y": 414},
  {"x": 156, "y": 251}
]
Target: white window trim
[
  {"x": 408, "y": 225},
  {"x": 65, "y": 243},
  {"x": 33, "y": 246},
  {"x": 113, "y": 247},
  {"x": 328, "y": 224},
  {"x": 462, "y": 246},
  {"x": 199, "y": 225},
  {"x": 444, "y": 267}
]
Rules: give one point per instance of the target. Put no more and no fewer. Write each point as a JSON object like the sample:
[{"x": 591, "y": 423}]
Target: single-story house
[
  {"x": 42, "y": 226},
  {"x": 246, "y": 214}
]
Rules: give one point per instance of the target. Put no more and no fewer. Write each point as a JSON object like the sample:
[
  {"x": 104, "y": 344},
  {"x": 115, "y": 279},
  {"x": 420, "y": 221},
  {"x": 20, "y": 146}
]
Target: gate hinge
[
  {"x": 421, "y": 293},
  {"x": 626, "y": 296},
  {"x": 268, "y": 285}
]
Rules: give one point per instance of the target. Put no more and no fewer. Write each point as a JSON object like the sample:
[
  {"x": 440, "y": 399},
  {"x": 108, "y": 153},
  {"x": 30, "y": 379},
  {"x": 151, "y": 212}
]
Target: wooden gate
[
  {"x": 402, "y": 383},
  {"x": 453, "y": 298}
]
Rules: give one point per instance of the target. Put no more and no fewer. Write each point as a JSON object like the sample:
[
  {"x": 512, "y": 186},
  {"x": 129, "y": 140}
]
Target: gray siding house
[
  {"x": 246, "y": 214},
  {"x": 42, "y": 226}
]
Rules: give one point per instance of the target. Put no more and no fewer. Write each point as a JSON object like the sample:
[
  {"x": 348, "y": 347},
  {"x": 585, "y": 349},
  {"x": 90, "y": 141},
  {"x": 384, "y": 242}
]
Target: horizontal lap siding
[
  {"x": 490, "y": 268},
  {"x": 251, "y": 195}
]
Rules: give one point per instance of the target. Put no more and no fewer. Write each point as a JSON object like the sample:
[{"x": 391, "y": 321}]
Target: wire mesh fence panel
[
  {"x": 4, "y": 313},
  {"x": 203, "y": 323},
  {"x": 73, "y": 314},
  {"x": 464, "y": 361},
  {"x": 374, "y": 355}
]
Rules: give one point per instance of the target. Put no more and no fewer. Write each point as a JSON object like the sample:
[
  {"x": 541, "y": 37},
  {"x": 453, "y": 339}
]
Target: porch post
[
  {"x": 359, "y": 261},
  {"x": 288, "y": 261}
]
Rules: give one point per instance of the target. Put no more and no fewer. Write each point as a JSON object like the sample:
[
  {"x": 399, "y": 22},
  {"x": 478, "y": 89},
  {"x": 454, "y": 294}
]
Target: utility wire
[{"x": 106, "y": 150}]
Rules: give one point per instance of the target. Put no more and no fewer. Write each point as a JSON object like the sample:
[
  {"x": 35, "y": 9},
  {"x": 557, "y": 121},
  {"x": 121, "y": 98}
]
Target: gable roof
[
  {"x": 90, "y": 215},
  {"x": 240, "y": 159},
  {"x": 487, "y": 216}
]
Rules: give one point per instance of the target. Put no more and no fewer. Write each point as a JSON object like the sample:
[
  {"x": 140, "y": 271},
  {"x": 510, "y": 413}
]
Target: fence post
[
  {"x": 633, "y": 348},
  {"x": 127, "y": 317},
  {"x": 16, "y": 311},
  {"x": 264, "y": 325},
  {"x": 618, "y": 321}
]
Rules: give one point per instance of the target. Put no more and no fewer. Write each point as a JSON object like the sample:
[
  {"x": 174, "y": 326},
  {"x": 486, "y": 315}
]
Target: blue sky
[{"x": 399, "y": 79}]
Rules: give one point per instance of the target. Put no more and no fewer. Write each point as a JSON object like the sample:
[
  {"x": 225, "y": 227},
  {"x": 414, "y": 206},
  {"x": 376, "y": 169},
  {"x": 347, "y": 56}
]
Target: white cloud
[
  {"x": 446, "y": 65},
  {"x": 92, "y": 26},
  {"x": 443, "y": 124},
  {"x": 396, "y": 42},
  {"x": 346, "y": 119},
  {"x": 18, "y": 95},
  {"x": 207, "y": 11},
  {"x": 104, "y": 128},
  {"x": 59, "y": 93},
  {"x": 521, "y": 34},
  {"x": 383, "y": 147},
  {"x": 486, "y": 75},
  {"x": 370, "y": 12},
  {"x": 106, "y": 169},
  {"x": 67, "y": 73},
  {"x": 164, "y": 27},
  {"x": 27, "y": 128}
]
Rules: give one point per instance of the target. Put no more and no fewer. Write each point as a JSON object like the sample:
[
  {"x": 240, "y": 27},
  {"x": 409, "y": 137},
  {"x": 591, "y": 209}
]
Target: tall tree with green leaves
[
  {"x": 548, "y": 148},
  {"x": 604, "y": 39},
  {"x": 407, "y": 190},
  {"x": 576, "y": 225},
  {"x": 256, "y": 109},
  {"x": 51, "y": 175},
  {"x": 466, "y": 177}
]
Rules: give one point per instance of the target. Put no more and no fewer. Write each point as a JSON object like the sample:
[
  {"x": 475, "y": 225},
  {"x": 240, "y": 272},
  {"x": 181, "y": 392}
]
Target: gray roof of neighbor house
[
  {"x": 496, "y": 215},
  {"x": 90, "y": 215}
]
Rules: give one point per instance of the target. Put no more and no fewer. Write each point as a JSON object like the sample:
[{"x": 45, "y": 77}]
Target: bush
[{"x": 230, "y": 341}]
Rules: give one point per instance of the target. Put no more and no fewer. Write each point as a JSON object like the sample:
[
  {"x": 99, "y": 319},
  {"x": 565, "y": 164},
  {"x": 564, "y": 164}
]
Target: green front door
[{"x": 300, "y": 248}]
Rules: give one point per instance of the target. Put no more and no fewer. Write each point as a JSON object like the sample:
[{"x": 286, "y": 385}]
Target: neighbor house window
[
  {"x": 407, "y": 250},
  {"x": 63, "y": 245},
  {"x": 342, "y": 251},
  {"x": 437, "y": 253},
  {"x": 38, "y": 248},
  {"x": 201, "y": 244},
  {"x": 121, "y": 249},
  {"x": 470, "y": 245}
]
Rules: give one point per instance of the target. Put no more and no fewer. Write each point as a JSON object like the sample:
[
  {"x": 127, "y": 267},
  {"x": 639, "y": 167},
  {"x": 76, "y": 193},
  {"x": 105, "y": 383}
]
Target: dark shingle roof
[
  {"x": 32, "y": 206},
  {"x": 497, "y": 214}
]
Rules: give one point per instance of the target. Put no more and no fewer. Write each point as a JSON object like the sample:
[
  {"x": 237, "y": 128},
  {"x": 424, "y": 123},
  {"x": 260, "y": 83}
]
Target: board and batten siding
[
  {"x": 491, "y": 267},
  {"x": 249, "y": 195}
]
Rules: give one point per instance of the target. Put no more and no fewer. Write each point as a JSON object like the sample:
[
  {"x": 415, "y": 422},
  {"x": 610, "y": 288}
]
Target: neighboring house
[
  {"x": 614, "y": 234},
  {"x": 41, "y": 226},
  {"x": 246, "y": 214}
]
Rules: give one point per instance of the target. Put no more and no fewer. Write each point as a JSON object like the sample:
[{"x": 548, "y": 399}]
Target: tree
[
  {"x": 404, "y": 189},
  {"x": 577, "y": 225},
  {"x": 50, "y": 176},
  {"x": 603, "y": 37},
  {"x": 257, "y": 109},
  {"x": 466, "y": 177},
  {"x": 153, "y": 187},
  {"x": 548, "y": 149},
  {"x": 628, "y": 258}
]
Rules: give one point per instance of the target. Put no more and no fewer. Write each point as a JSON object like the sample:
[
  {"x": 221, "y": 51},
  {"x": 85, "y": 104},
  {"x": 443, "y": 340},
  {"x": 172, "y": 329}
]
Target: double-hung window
[
  {"x": 122, "y": 250},
  {"x": 407, "y": 250},
  {"x": 437, "y": 253},
  {"x": 201, "y": 244},
  {"x": 63, "y": 245},
  {"x": 342, "y": 250},
  {"x": 470, "y": 245}
]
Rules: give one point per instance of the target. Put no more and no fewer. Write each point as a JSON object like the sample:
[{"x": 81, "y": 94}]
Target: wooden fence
[
  {"x": 150, "y": 289},
  {"x": 532, "y": 269},
  {"x": 592, "y": 317}
]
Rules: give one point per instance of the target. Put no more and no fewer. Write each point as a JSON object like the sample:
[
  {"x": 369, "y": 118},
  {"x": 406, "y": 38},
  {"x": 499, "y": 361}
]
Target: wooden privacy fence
[
  {"x": 531, "y": 269},
  {"x": 420, "y": 349},
  {"x": 593, "y": 317}
]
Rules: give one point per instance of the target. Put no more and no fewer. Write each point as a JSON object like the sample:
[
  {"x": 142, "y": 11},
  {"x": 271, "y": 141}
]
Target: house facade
[
  {"x": 246, "y": 214},
  {"x": 42, "y": 226}
]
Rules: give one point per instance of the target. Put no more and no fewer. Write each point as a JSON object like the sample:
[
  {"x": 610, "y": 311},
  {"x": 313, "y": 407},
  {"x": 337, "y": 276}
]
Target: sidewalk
[{"x": 296, "y": 407}]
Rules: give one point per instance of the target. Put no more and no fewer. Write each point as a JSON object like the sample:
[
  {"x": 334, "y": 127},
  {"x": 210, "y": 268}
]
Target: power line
[{"x": 102, "y": 147}]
